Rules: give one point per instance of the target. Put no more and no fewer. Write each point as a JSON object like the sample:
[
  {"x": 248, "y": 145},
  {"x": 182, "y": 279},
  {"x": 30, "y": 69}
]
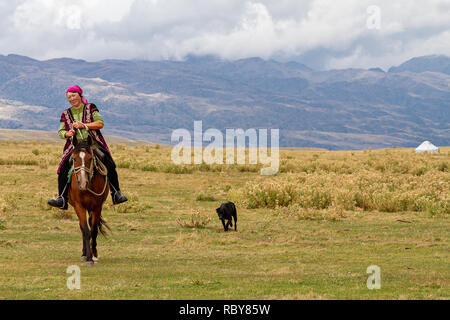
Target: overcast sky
[{"x": 323, "y": 34}]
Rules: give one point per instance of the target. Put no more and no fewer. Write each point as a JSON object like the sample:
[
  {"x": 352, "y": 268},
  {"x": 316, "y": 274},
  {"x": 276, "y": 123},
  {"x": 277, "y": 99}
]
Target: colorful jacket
[{"x": 67, "y": 118}]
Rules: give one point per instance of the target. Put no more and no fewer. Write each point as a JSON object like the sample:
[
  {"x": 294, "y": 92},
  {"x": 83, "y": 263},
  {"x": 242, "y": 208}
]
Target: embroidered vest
[{"x": 67, "y": 118}]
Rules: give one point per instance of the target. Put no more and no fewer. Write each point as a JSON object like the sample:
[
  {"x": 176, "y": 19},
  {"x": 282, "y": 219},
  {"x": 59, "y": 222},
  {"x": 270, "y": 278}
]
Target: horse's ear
[
  {"x": 89, "y": 140},
  {"x": 74, "y": 140}
]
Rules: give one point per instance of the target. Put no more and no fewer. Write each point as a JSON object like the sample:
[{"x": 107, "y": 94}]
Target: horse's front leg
[
  {"x": 83, "y": 252},
  {"x": 86, "y": 233},
  {"x": 94, "y": 223}
]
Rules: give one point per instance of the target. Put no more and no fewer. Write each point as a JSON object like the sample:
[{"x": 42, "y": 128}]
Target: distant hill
[
  {"x": 147, "y": 100},
  {"x": 434, "y": 63},
  {"x": 51, "y": 136}
]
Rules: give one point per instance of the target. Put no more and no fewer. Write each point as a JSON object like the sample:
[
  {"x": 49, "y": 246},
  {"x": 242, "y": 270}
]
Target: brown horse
[{"x": 88, "y": 191}]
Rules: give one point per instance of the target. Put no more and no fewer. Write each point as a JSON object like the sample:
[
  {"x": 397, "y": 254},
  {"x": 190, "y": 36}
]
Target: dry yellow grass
[{"x": 308, "y": 232}]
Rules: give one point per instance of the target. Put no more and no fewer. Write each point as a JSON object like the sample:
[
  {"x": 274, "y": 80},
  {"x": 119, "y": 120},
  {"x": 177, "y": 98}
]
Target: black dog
[{"x": 227, "y": 211}]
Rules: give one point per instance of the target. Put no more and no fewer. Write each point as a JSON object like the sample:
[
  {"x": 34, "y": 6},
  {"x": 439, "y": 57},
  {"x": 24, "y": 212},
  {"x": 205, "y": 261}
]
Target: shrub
[
  {"x": 363, "y": 200},
  {"x": 270, "y": 194},
  {"x": 443, "y": 166},
  {"x": 149, "y": 167},
  {"x": 197, "y": 220},
  {"x": 320, "y": 200},
  {"x": 121, "y": 147},
  {"x": 177, "y": 169},
  {"x": 203, "y": 197},
  {"x": 238, "y": 197},
  {"x": 124, "y": 164},
  {"x": 8, "y": 203},
  {"x": 419, "y": 171},
  {"x": 18, "y": 162}
]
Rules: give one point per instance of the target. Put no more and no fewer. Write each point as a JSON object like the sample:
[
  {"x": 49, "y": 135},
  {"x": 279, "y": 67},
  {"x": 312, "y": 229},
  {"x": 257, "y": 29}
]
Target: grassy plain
[{"x": 309, "y": 232}]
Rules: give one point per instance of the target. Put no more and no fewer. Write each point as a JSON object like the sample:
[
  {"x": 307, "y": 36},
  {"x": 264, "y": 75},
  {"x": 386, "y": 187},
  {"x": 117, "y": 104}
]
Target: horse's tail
[{"x": 101, "y": 224}]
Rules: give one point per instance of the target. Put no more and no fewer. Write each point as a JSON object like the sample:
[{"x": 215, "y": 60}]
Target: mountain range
[{"x": 147, "y": 100}]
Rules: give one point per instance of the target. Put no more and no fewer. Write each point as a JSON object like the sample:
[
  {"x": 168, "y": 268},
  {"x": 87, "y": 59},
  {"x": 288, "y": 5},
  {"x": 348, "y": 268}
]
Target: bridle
[
  {"x": 89, "y": 171},
  {"x": 83, "y": 168}
]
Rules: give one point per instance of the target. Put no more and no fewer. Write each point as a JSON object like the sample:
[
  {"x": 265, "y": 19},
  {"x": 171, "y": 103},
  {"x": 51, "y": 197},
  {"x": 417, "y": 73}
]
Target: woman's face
[{"x": 74, "y": 99}]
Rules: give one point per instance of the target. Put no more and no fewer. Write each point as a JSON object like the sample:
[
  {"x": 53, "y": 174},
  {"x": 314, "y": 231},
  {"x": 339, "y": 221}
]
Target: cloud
[{"x": 324, "y": 33}]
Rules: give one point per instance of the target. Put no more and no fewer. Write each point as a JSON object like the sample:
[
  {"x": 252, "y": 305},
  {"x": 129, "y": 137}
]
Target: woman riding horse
[{"x": 80, "y": 116}]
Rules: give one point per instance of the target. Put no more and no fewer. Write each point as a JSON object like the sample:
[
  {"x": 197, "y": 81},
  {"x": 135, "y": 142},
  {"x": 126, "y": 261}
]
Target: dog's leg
[
  {"x": 228, "y": 224},
  {"x": 235, "y": 222},
  {"x": 224, "y": 226}
]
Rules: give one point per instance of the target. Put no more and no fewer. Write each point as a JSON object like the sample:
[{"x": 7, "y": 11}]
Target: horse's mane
[{"x": 83, "y": 144}]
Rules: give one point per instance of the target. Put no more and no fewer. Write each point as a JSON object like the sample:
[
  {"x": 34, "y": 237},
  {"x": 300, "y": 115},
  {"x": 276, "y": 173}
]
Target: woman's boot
[
  {"x": 61, "y": 201},
  {"x": 63, "y": 188}
]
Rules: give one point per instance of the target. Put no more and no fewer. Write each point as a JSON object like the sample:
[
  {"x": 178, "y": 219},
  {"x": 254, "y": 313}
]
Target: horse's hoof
[
  {"x": 95, "y": 259},
  {"x": 83, "y": 258},
  {"x": 89, "y": 263}
]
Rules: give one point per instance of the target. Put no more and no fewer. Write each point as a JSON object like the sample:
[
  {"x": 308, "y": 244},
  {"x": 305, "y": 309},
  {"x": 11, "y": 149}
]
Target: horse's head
[{"x": 83, "y": 162}]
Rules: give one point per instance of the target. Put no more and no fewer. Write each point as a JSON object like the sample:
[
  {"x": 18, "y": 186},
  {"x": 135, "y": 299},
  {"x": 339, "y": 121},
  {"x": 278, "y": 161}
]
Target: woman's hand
[
  {"x": 70, "y": 133},
  {"x": 78, "y": 125},
  {"x": 91, "y": 125}
]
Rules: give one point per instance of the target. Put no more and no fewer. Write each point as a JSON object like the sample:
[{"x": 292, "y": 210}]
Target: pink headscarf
[{"x": 77, "y": 89}]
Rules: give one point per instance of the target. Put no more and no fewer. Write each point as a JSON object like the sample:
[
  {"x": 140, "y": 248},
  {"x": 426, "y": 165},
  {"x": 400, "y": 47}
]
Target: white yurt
[{"x": 427, "y": 146}]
